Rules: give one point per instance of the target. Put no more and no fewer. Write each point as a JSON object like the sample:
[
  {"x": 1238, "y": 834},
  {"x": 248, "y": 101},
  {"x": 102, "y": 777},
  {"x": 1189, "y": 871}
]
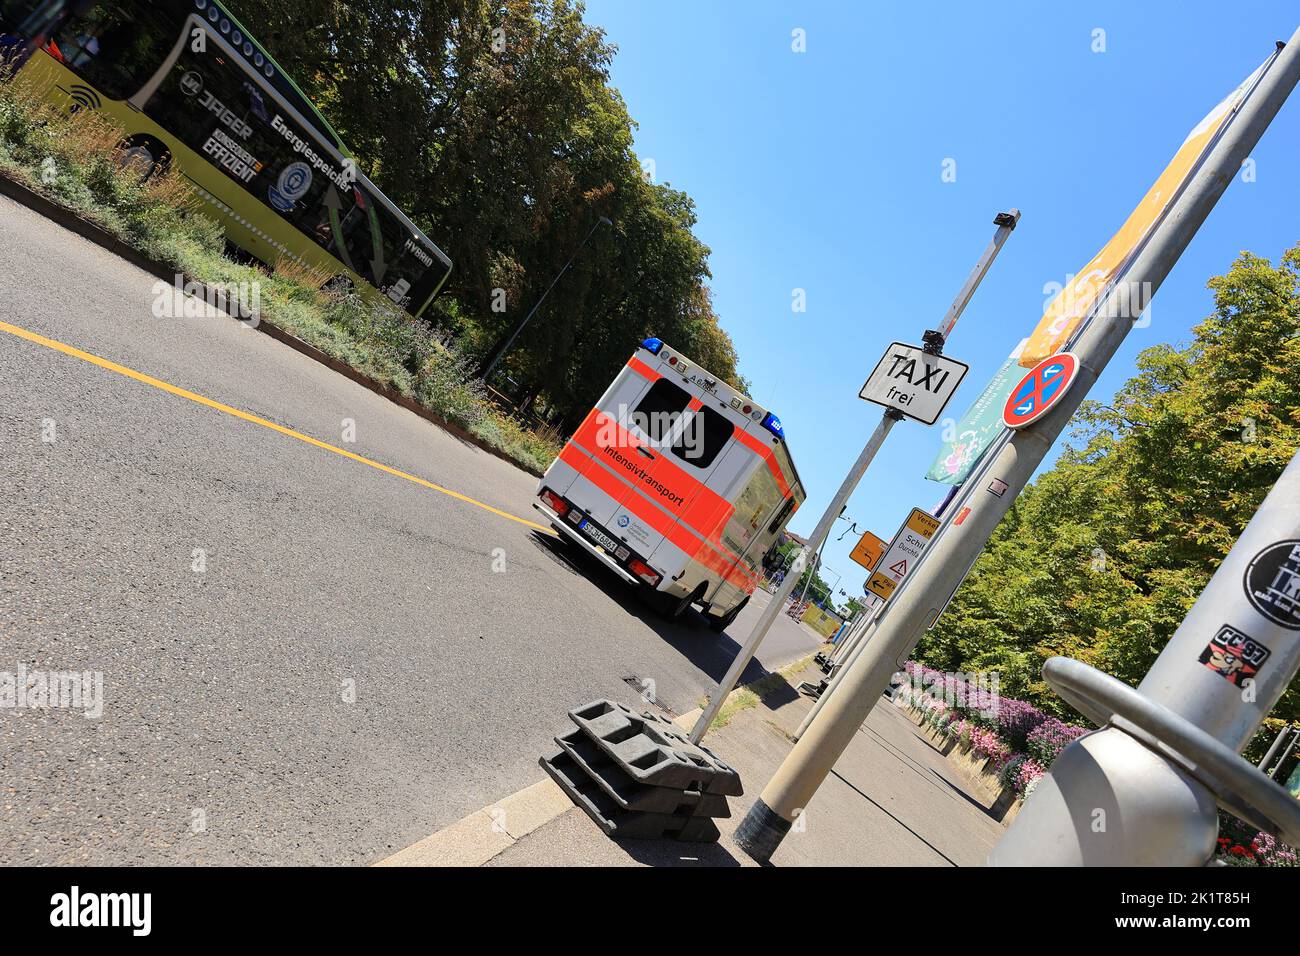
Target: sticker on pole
[
  {"x": 1273, "y": 583},
  {"x": 1040, "y": 390},
  {"x": 904, "y": 551},
  {"x": 914, "y": 382}
]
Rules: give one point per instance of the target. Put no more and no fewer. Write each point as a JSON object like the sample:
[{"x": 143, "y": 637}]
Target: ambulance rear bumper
[{"x": 563, "y": 527}]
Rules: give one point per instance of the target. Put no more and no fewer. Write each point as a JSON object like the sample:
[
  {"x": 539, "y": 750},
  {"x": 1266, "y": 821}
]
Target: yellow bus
[{"x": 190, "y": 87}]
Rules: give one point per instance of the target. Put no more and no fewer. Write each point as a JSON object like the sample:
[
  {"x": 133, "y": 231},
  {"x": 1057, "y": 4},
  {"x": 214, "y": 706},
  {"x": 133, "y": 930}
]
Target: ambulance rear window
[
  {"x": 663, "y": 406},
  {"x": 659, "y": 410},
  {"x": 701, "y": 441},
  {"x": 781, "y": 515}
]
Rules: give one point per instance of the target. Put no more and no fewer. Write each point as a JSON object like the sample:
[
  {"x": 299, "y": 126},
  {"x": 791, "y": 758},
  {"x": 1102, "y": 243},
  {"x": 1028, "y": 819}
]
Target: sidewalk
[{"x": 892, "y": 800}]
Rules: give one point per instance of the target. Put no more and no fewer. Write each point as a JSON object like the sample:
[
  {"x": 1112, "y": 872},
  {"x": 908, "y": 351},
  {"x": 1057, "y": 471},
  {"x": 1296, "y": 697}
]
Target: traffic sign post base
[{"x": 638, "y": 777}]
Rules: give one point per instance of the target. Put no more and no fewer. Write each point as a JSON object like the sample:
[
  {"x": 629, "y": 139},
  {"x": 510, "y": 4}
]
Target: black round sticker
[{"x": 1273, "y": 583}]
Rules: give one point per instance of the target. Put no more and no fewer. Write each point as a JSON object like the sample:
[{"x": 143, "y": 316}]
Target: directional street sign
[
  {"x": 914, "y": 382},
  {"x": 1040, "y": 390},
  {"x": 868, "y": 550},
  {"x": 904, "y": 551}
]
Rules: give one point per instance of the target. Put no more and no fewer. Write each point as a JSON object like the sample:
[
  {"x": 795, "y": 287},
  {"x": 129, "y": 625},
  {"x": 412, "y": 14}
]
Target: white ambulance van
[{"x": 676, "y": 482}]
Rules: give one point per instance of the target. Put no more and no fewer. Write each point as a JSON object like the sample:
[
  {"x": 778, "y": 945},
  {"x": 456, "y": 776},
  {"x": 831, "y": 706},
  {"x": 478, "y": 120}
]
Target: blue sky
[{"x": 821, "y": 171}]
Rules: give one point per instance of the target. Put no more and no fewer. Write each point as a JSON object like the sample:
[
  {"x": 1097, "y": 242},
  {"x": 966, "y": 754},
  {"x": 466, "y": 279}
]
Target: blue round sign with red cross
[{"x": 1039, "y": 391}]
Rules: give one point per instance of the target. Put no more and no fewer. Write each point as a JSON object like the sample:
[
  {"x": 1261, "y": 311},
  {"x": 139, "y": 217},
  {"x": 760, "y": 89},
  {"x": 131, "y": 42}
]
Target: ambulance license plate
[{"x": 595, "y": 534}]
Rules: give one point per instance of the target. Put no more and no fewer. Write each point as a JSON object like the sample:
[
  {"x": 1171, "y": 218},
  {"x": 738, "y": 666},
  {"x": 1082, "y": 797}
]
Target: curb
[{"x": 96, "y": 234}]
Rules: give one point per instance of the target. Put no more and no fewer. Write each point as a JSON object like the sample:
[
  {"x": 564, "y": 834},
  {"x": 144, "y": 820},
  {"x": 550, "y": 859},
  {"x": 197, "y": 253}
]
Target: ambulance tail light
[
  {"x": 646, "y": 573},
  {"x": 554, "y": 502}
]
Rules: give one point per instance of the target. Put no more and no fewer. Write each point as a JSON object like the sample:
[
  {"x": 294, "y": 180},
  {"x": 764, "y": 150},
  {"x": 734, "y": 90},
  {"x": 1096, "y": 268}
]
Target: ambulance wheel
[
  {"x": 676, "y": 610},
  {"x": 720, "y": 624}
]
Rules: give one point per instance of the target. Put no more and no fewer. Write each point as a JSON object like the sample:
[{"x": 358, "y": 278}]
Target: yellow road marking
[{"x": 237, "y": 413}]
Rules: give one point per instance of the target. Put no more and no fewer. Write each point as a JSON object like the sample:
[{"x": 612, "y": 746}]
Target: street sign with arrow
[
  {"x": 867, "y": 552},
  {"x": 904, "y": 551}
]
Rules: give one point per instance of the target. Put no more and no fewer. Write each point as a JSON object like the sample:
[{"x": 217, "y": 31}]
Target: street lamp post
[{"x": 500, "y": 352}]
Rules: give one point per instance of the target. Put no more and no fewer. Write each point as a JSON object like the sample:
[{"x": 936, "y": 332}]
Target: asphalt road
[{"x": 347, "y": 673}]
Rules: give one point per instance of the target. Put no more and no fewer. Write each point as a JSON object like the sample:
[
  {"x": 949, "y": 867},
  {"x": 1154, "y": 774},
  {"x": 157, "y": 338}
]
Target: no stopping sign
[{"x": 1038, "y": 392}]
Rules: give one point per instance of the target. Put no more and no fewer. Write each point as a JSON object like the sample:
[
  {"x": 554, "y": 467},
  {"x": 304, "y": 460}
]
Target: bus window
[
  {"x": 18, "y": 16},
  {"x": 236, "y": 122},
  {"x": 117, "y": 47},
  {"x": 386, "y": 253},
  {"x": 212, "y": 105},
  {"x": 411, "y": 270}
]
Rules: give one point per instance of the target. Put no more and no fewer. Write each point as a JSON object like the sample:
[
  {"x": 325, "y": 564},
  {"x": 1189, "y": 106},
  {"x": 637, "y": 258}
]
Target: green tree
[{"x": 493, "y": 124}]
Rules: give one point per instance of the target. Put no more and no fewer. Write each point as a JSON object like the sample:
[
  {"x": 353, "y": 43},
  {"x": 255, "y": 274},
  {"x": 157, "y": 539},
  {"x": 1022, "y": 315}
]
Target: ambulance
[{"x": 677, "y": 483}]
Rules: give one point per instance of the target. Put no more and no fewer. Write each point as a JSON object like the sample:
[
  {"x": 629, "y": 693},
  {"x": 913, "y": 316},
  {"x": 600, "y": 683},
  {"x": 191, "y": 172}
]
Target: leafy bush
[
  {"x": 1016, "y": 720},
  {"x": 1049, "y": 738},
  {"x": 1010, "y": 772}
]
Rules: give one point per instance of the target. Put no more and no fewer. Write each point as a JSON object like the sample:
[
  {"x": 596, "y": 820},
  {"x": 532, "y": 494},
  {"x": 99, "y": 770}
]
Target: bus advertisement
[{"x": 189, "y": 87}]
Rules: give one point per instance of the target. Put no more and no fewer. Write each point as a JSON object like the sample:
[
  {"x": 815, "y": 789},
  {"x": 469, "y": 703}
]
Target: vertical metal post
[
  {"x": 1006, "y": 223},
  {"x": 797, "y": 779},
  {"x": 835, "y": 677},
  {"x": 1278, "y": 741},
  {"x": 1255, "y": 594},
  {"x": 817, "y": 557},
  {"x": 777, "y": 604},
  {"x": 850, "y": 640}
]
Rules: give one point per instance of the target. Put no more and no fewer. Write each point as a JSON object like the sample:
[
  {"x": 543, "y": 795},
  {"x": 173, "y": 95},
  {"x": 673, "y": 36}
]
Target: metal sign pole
[
  {"x": 1278, "y": 741},
  {"x": 951, "y": 508},
  {"x": 934, "y": 342},
  {"x": 817, "y": 558},
  {"x": 777, "y": 604},
  {"x": 1005, "y": 223},
  {"x": 797, "y": 779},
  {"x": 1277, "y": 770},
  {"x": 851, "y": 639}
]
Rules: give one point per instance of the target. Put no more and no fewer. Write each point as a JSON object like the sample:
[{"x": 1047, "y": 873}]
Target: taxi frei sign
[
  {"x": 903, "y": 553},
  {"x": 913, "y": 381}
]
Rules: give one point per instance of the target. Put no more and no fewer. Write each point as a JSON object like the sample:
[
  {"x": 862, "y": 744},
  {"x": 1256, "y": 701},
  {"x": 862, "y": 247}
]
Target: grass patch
[
  {"x": 76, "y": 161},
  {"x": 750, "y": 695}
]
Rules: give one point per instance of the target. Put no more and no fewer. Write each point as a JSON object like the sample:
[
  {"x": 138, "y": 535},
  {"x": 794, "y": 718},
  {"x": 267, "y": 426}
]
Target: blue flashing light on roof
[
  {"x": 773, "y": 424},
  {"x": 652, "y": 345}
]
